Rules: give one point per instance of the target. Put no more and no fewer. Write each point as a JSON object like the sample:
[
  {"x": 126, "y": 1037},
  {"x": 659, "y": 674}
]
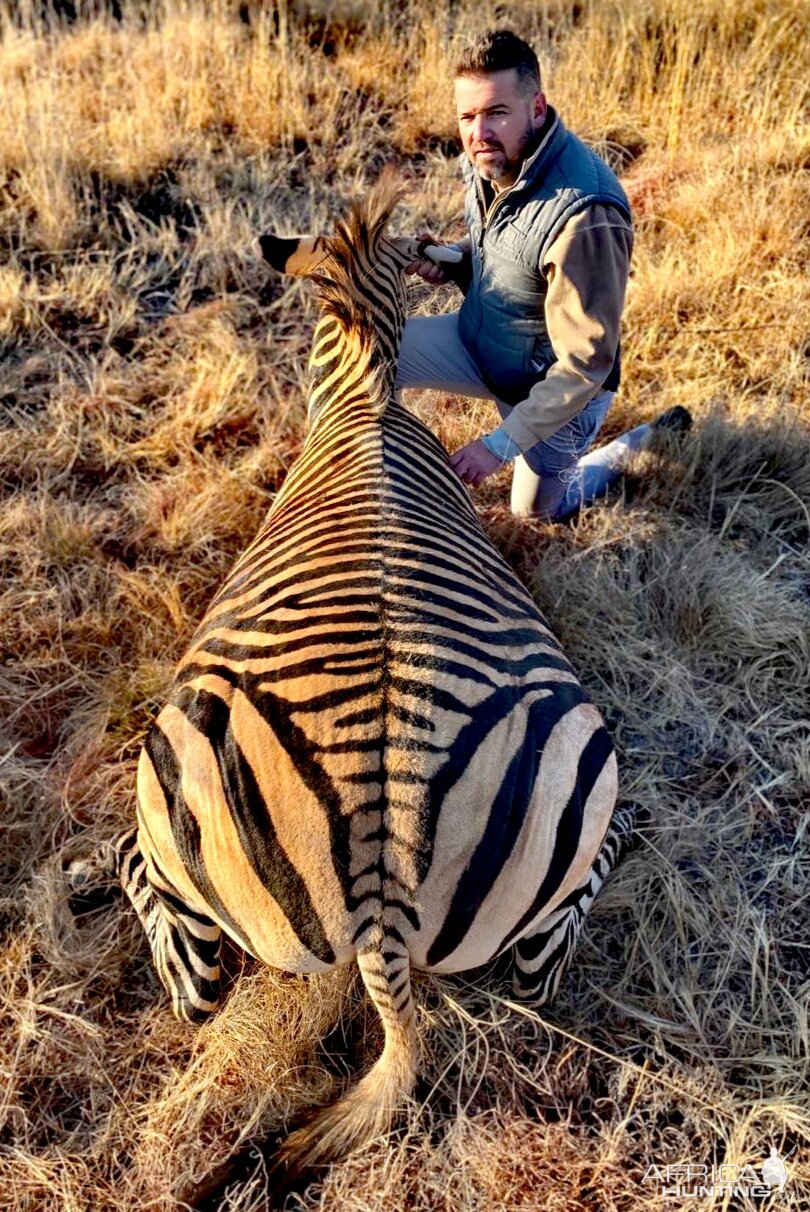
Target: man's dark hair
[{"x": 499, "y": 50}]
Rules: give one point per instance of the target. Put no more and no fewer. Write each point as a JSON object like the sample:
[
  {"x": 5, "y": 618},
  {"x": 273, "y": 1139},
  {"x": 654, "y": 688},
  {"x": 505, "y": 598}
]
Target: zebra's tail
[
  {"x": 364, "y": 1112},
  {"x": 367, "y": 1110}
]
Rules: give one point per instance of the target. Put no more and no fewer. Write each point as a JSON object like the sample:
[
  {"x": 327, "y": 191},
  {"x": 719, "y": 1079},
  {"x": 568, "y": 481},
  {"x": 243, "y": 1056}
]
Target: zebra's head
[{"x": 359, "y": 276}]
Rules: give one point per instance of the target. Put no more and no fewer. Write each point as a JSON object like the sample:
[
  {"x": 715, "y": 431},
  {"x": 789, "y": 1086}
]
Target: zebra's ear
[{"x": 299, "y": 255}]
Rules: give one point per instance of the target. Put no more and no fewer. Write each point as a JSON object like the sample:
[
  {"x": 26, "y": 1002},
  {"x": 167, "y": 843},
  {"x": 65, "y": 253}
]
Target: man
[{"x": 545, "y": 271}]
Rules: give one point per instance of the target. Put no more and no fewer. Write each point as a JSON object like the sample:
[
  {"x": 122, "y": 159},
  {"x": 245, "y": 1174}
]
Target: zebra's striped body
[{"x": 374, "y": 750}]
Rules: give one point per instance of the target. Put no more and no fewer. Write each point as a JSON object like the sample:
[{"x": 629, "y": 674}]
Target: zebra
[{"x": 374, "y": 749}]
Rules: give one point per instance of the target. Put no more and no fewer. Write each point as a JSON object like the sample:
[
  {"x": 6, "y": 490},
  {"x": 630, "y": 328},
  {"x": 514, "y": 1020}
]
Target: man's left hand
[{"x": 474, "y": 462}]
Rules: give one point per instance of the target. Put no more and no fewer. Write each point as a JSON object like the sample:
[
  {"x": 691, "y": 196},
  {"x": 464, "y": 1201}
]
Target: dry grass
[{"x": 152, "y": 390}]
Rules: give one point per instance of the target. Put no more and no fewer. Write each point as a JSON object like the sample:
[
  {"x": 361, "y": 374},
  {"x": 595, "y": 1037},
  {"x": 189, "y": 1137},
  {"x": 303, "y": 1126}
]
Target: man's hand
[
  {"x": 428, "y": 270},
  {"x": 474, "y": 462}
]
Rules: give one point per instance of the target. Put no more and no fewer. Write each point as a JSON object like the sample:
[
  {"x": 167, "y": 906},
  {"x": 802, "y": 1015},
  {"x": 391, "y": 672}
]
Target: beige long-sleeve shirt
[{"x": 586, "y": 268}]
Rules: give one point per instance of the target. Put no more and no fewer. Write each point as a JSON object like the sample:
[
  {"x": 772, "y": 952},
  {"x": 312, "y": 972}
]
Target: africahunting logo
[{"x": 686, "y": 1180}]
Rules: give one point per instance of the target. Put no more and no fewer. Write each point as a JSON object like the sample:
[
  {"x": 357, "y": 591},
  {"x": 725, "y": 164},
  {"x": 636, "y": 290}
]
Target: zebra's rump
[{"x": 301, "y": 823}]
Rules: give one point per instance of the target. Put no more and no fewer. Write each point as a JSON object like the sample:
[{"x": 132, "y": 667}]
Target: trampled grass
[{"x": 152, "y": 388}]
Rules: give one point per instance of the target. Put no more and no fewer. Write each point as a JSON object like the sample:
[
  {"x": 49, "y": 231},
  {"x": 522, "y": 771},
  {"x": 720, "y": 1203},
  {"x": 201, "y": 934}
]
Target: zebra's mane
[{"x": 351, "y": 250}]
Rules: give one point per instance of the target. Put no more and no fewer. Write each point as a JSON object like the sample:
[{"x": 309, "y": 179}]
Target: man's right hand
[{"x": 428, "y": 270}]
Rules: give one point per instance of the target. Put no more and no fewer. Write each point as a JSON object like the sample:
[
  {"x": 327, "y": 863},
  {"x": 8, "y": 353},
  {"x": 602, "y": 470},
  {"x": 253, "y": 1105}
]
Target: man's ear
[
  {"x": 298, "y": 255},
  {"x": 540, "y": 109}
]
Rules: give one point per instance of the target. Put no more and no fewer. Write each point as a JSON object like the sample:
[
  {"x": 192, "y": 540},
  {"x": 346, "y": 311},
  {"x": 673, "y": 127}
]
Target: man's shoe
[{"x": 678, "y": 419}]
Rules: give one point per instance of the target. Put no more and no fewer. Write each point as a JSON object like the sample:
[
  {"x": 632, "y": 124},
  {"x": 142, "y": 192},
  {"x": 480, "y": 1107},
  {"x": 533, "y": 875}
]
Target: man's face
[{"x": 497, "y": 119}]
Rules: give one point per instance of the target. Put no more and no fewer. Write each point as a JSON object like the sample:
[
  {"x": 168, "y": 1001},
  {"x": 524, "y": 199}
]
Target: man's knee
[
  {"x": 525, "y": 487},
  {"x": 543, "y": 497}
]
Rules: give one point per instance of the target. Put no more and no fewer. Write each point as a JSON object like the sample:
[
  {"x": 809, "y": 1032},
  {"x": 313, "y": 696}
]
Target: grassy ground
[{"x": 152, "y": 384}]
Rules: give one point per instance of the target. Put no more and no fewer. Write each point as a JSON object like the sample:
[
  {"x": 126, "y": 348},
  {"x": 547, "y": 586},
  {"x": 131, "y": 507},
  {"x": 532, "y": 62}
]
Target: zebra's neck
[{"x": 352, "y": 372}]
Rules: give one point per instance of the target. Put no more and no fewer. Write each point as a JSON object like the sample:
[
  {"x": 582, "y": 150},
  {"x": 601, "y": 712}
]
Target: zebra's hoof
[
  {"x": 92, "y": 881},
  {"x": 642, "y": 822}
]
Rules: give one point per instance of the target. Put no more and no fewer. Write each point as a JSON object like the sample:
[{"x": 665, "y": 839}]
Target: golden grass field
[{"x": 152, "y": 396}]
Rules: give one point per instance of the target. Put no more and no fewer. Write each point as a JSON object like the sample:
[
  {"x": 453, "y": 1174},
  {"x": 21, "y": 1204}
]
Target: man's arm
[{"x": 587, "y": 268}]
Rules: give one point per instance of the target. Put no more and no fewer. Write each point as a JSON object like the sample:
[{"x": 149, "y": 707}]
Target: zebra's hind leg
[
  {"x": 542, "y": 957},
  {"x": 185, "y": 944}
]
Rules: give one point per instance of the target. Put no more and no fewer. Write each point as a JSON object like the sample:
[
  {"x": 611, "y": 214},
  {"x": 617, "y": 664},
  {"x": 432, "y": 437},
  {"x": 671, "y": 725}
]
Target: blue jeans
[{"x": 549, "y": 479}]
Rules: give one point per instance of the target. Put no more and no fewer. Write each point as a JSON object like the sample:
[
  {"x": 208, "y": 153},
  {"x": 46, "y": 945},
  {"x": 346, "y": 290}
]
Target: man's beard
[{"x": 496, "y": 172}]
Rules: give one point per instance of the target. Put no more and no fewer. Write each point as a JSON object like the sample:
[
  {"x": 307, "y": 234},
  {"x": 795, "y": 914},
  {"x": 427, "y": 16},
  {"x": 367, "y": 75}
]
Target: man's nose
[{"x": 480, "y": 130}]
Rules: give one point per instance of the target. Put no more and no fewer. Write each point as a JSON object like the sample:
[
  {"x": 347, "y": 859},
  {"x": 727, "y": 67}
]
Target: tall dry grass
[{"x": 152, "y": 386}]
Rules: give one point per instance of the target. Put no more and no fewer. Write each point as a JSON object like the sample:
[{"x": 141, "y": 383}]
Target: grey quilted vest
[{"x": 502, "y": 320}]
